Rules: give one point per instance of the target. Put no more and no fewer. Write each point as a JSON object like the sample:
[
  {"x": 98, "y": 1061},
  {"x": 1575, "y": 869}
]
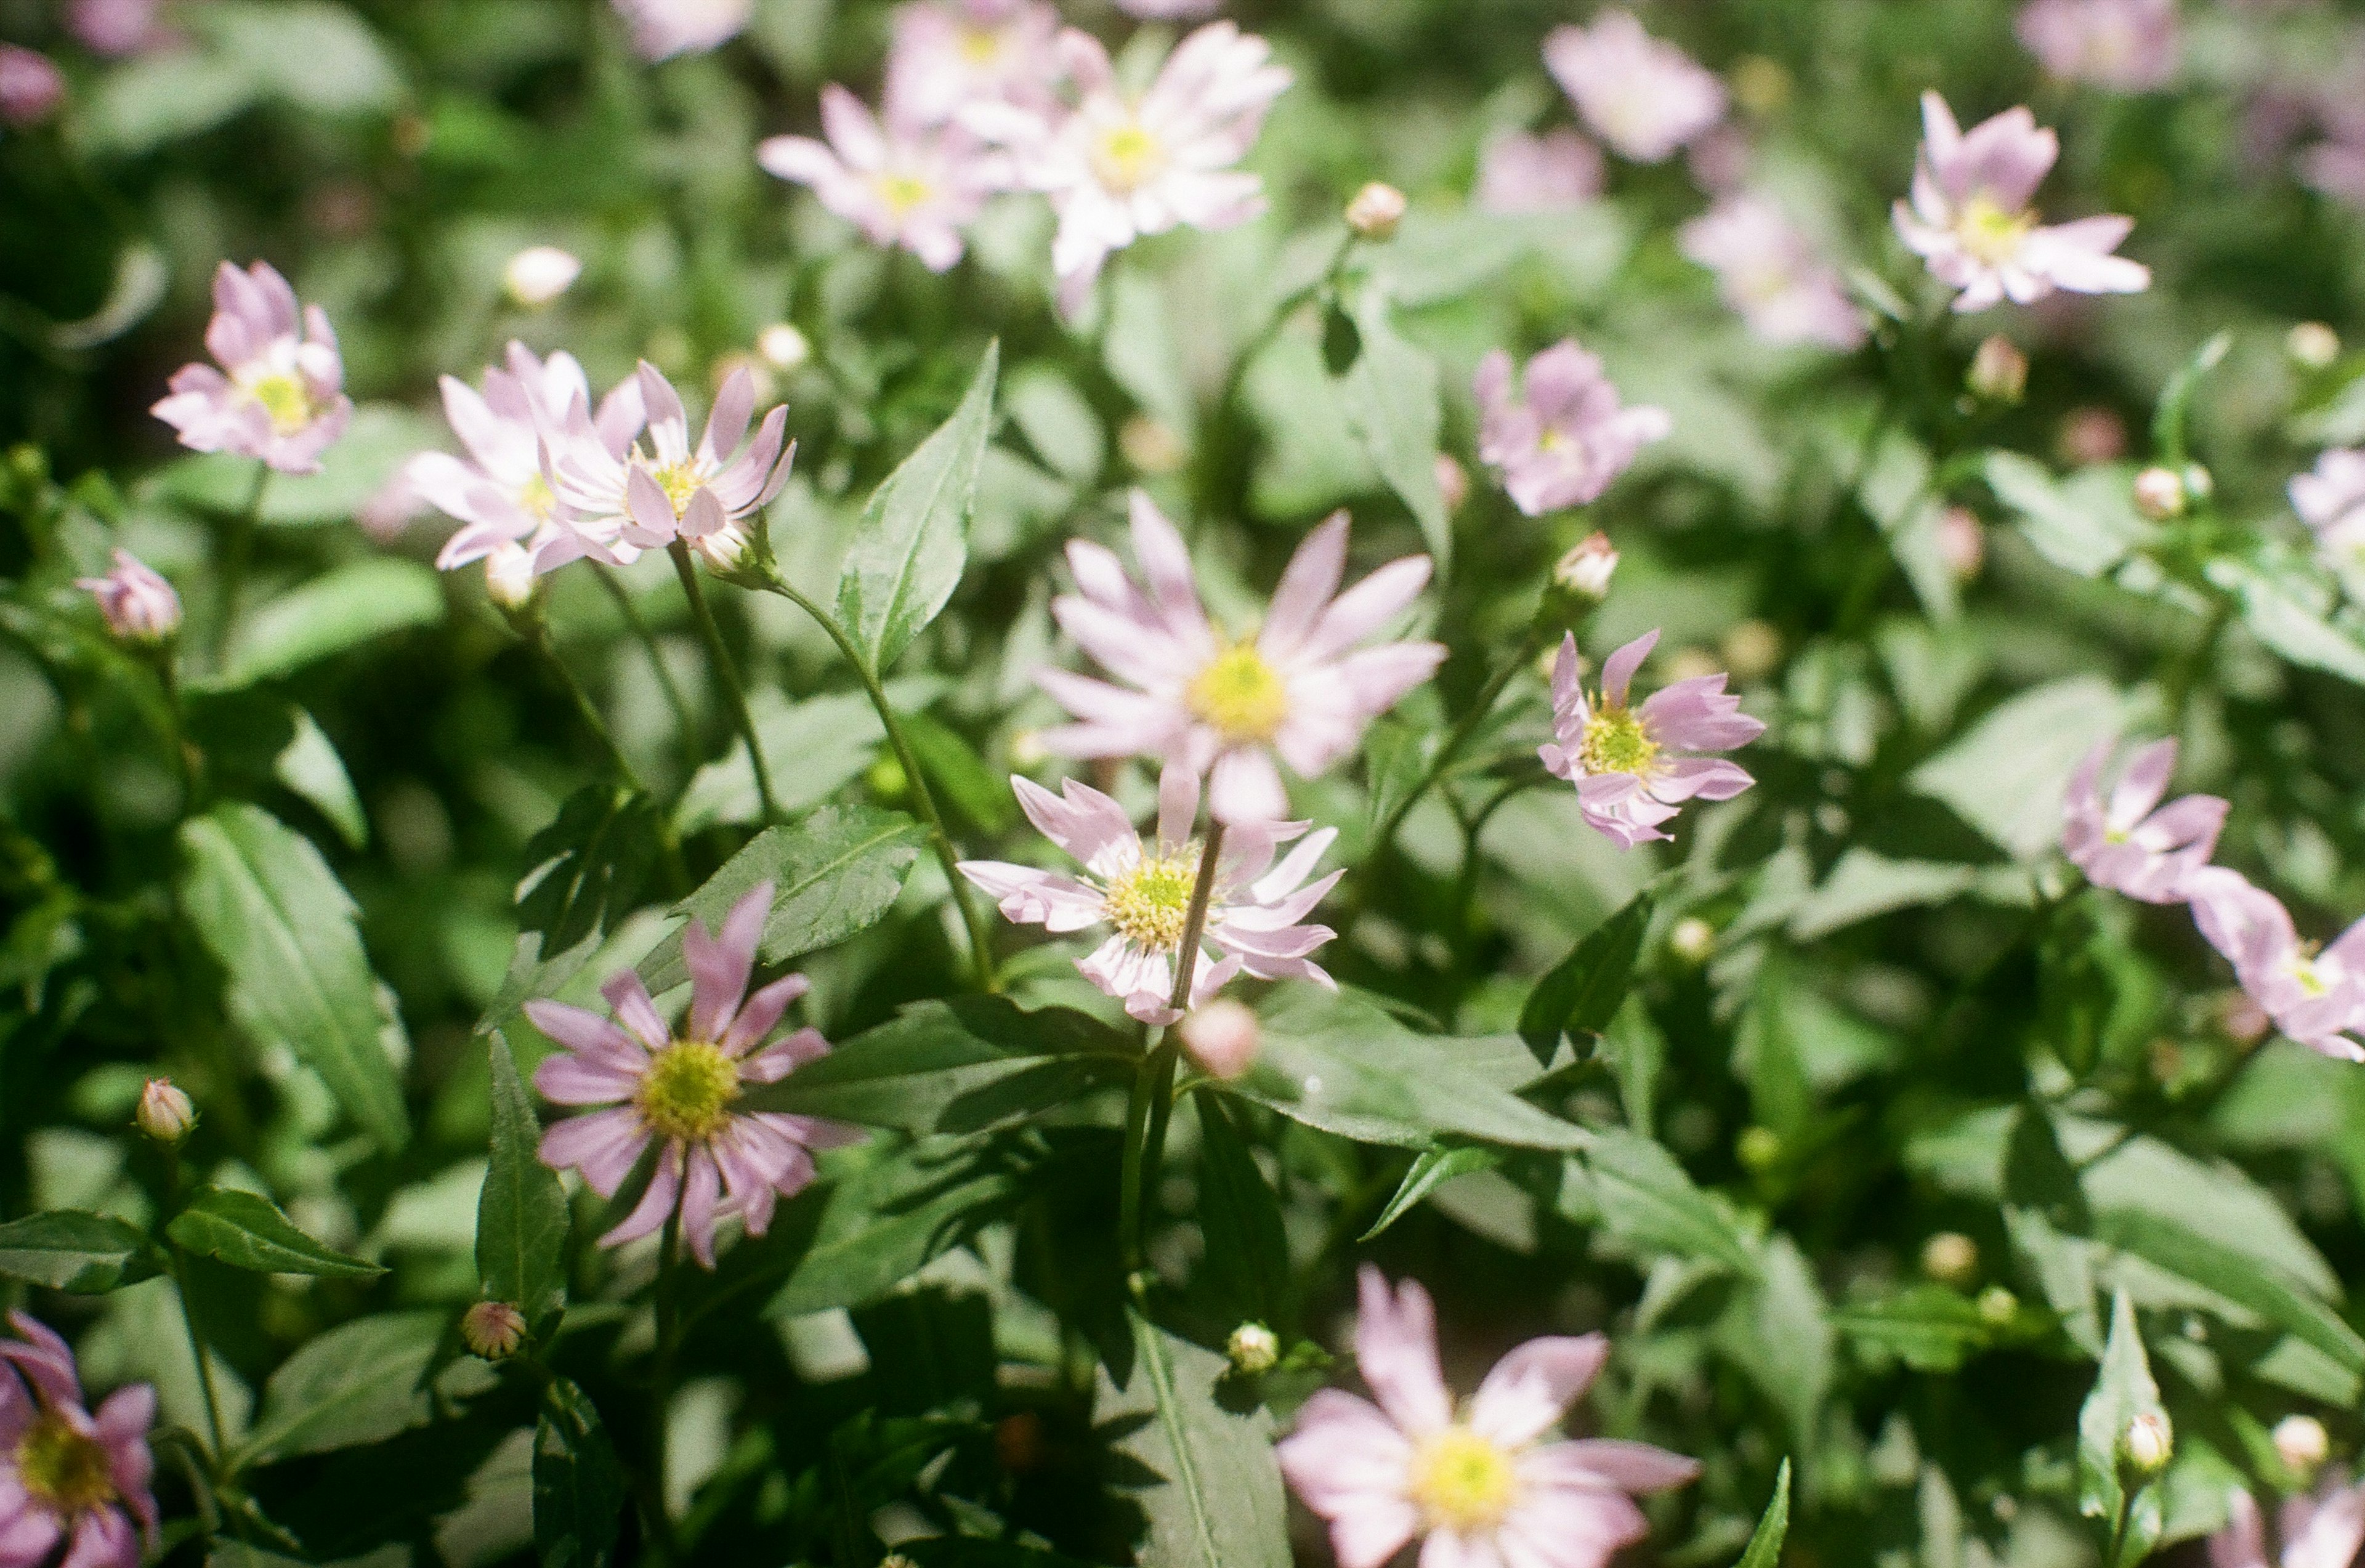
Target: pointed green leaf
[
  {"x": 522, "y": 1214},
  {"x": 1432, "y": 1169},
  {"x": 579, "y": 1486},
  {"x": 1765, "y": 1549},
  {"x": 1212, "y": 1491},
  {"x": 360, "y": 1382},
  {"x": 341, "y": 609},
  {"x": 1648, "y": 1201},
  {"x": 1247, "y": 1254},
  {"x": 1390, "y": 393},
  {"x": 1583, "y": 992},
  {"x": 2123, "y": 1390},
  {"x": 69, "y": 1250},
  {"x": 247, "y": 1232}
]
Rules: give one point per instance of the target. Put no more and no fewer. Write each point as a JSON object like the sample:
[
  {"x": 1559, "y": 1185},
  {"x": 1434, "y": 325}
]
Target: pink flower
[
  {"x": 676, "y": 1089},
  {"x": 1621, "y": 759},
  {"x": 899, "y": 186},
  {"x": 2317, "y": 998},
  {"x": 1771, "y": 273},
  {"x": 1199, "y": 698},
  {"x": 1519, "y": 173},
  {"x": 2331, "y": 501},
  {"x": 662, "y": 29},
  {"x": 70, "y": 1478},
  {"x": 139, "y": 605},
  {"x": 1142, "y": 890},
  {"x": 283, "y": 396},
  {"x": 1971, "y": 217},
  {"x": 1569, "y": 439},
  {"x": 2129, "y": 45},
  {"x": 2126, "y": 845},
  {"x": 614, "y": 504},
  {"x": 2320, "y": 1531},
  {"x": 948, "y": 54},
  {"x": 1167, "y": 10},
  {"x": 115, "y": 27},
  {"x": 30, "y": 86},
  {"x": 1484, "y": 1484},
  {"x": 1644, "y": 97},
  {"x": 1119, "y": 167}
]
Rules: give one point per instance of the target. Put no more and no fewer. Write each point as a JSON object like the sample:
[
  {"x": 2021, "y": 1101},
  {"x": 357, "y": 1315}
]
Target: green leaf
[
  {"x": 1899, "y": 495},
  {"x": 1650, "y": 1203},
  {"x": 315, "y": 56},
  {"x": 1430, "y": 1170},
  {"x": 1247, "y": 1254},
  {"x": 1391, "y": 398},
  {"x": 311, "y": 769},
  {"x": 588, "y": 866},
  {"x": 1927, "y": 1327},
  {"x": 1765, "y": 1549},
  {"x": 522, "y": 1213},
  {"x": 2086, "y": 523},
  {"x": 1057, "y": 422},
  {"x": 579, "y": 1486},
  {"x": 2006, "y": 775},
  {"x": 2287, "y": 606},
  {"x": 248, "y": 1232},
  {"x": 1582, "y": 993},
  {"x": 2168, "y": 419},
  {"x": 1215, "y": 1499},
  {"x": 163, "y": 95},
  {"x": 339, "y": 610},
  {"x": 888, "y": 1221},
  {"x": 359, "y": 1383},
  {"x": 2237, "y": 1275},
  {"x": 275, "y": 918},
  {"x": 2123, "y": 1391},
  {"x": 66, "y": 1249},
  {"x": 960, "y": 775},
  {"x": 913, "y": 539}
]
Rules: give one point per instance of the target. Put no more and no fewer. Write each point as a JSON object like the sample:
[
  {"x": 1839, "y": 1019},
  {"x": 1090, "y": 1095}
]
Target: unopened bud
[
  {"x": 139, "y": 605},
  {"x": 2160, "y": 494},
  {"x": 1586, "y": 570},
  {"x": 2148, "y": 1442},
  {"x": 164, "y": 1113},
  {"x": 1452, "y": 481},
  {"x": 1149, "y": 446},
  {"x": 493, "y": 1329},
  {"x": 2313, "y": 344},
  {"x": 30, "y": 86},
  {"x": 1376, "y": 210},
  {"x": 1962, "y": 543},
  {"x": 783, "y": 346},
  {"x": 1999, "y": 371},
  {"x": 2301, "y": 1443},
  {"x": 1752, "y": 649},
  {"x": 722, "y": 549},
  {"x": 2198, "y": 482},
  {"x": 1951, "y": 1257},
  {"x": 1692, "y": 940},
  {"x": 508, "y": 575},
  {"x": 1998, "y": 1305},
  {"x": 1222, "y": 1037},
  {"x": 539, "y": 275},
  {"x": 1758, "y": 1147},
  {"x": 1254, "y": 1350}
]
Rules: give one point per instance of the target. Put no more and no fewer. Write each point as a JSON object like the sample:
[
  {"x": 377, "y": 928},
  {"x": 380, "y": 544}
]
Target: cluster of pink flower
[{"x": 73, "y": 1482}]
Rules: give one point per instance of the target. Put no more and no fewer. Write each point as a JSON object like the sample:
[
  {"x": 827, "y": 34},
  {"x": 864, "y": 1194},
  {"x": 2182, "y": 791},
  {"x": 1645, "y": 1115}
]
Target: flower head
[
  {"x": 1552, "y": 172},
  {"x": 279, "y": 393},
  {"x": 492, "y": 1330},
  {"x": 1484, "y": 1483},
  {"x": 70, "y": 1477},
  {"x": 1563, "y": 442},
  {"x": 662, "y": 29},
  {"x": 1624, "y": 761},
  {"x": 115, "y": 28},
  {"x": 31, "y": 87},
  {"x": 1972, "y": 220},
  {"x": 2128, "y": 45},
  {"x": 139, "y": 605},
  {"x": 614, "y": 504},
  {"x": 1297, "y": 688},
  {"x": 677, "y": 1089},
  {"x": 949, "y": 54},
  {"x": 2323, "y": 1531},
  {"x": 2316, "y": 997},
  {"x": 2126, "y": 845},
  {"x": 1772, "y": 274},
  {"x": 900, "y": 184},
  {"x": 1643, "y": 95},
  {"x": 1117, "y": 167},
  {"x": 1141, "y": 890},
  {"x": 164, "y": 1112},
  {"x": 2331, "y": 501}
]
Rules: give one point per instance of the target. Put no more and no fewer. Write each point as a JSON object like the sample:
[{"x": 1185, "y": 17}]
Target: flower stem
[
  {"x": 923, "y": 798},
  {"x": 661, "y": 1543},
  {"x": 1152, "y": 1106},
  {"x": 238, "y": 549},
  {"x": 177, "y": 1262},
  {"x": 725, "y": 672},
  {"x": 530, "y": 625},
  {"x": 684, "y": 731}
]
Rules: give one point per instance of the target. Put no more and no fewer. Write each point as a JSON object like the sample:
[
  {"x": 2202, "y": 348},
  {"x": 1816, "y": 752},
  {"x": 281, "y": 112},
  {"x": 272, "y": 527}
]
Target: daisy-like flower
[
  {"x": 2127, "y": 45},
  {"x": 1486, "y": 1483},
  {"x": 1297, "y": 688},
  {"x": 279, "y": 393},
  {"x": 2331, "y": 501},
  {"x": 498, "y": 493},
  {"x": 1643, "y": 95},
  {"x": 2325, "y": 1530},
  {"x": 1771, "y": 273},
  {"x": 662, "y": 29},
  {"x": 1119, "y": 167},
  {"x": 677, "y": 1089},
  {"x": 614, "y": 505},
  {"x": 1568, "y": 438},
  {"x": 900, "y": 186},
  {"x": 2124, "y": 842},
  {"x": 1623, "y": 759},
  {"x": 1972, "y": 221},
  {"x": 2315, "y": 997},
  {"x": 1519, "y": 172},
  {"x": 70, "y": 1477},
  {"x": 1140, "y": 890},
  {"x": 949, "y": 54},
  {"x": 139, "y": 605}
]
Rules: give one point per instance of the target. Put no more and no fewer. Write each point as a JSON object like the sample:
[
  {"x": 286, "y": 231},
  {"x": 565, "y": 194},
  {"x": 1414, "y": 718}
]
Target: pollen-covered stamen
[
  {"x": 1617, "y": 741},
  {"x": 61, "y": 1468},
  {"x": 1128, "y": 157},
  {"x": 535, "y": 497},
  {"x": 1151, "y": 903},
  {"x": 284, "y": 398},
  {"x": 688, "y": 1091},
  {"x": 981, "y": 46},
  {"x": 679, "y": 481},
  {"x": 1240, "y": 695},
  {"x": 902, "y": 192},
  {"x": 1463, "y": 1482},
  {"x": 1990, "y": 233}
]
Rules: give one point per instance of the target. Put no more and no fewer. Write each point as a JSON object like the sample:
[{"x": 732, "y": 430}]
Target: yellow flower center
[
  {"x": 981, "y": 46},
  {"x": 1128, "y": 157},
  {"x": 284, "y": 398},
  {"x": 2311, "y": 979},
  {"x": 678, "y": 481},
  {"x": 1616, "y": 742},
  {"x": 686, "y": 1093},
  {"x": 1463, "y": 1482},
  {"x": 902, "y": 192},
  {"x": 63, "y": 1469},
  {"x": 1991, "y": 234},
  {"x": 535, "y": 498},
  {"x": 1151, "y": 903},
  {"x": 1243, "y": 697}
]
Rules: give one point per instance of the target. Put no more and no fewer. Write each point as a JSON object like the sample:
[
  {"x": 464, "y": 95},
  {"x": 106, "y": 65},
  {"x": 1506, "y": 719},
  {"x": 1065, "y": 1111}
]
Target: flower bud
[
  {"x": 1254, "y": 1350},
  {"x": 30, "y": 86},
  {"x": 539, "y": 275},
  {"x": 2148, "y": 1442},
  {"x": 2199, "y": 483},
  {"x": 1452, "y": 481},
  {"x": 2091, "y": 435},
  {"x": 721, "y": 550},
  {"x": 1692, "y": 940},
  {"x": 493, "y": 1329},
  {"x": 783, "y": 346},
  {"x": 1962, "y": 543},
  {"x": 1149, "y": 446},
  {"x": 1999, "y": 371},
  {"x": 1951, "y": 1257},
  {"x": 2313, "y": 344},
  {"x": 1586, "y": 570},
  {"x": 508, "y": 575},
  {"x": 164, "y": 1113},
  {"x": 1752, "y": 650},
  {"x": 2160, "y": 494},
  {"x": 1758, "y": 1147},
  {"x": 1222, "y": 1037},
  {"x": 1998, "y": 1305},
  {"x": 2301, "y": 1443},
  {"x": 1376, "y": 210},
  {"x": 139, "y": 605}
]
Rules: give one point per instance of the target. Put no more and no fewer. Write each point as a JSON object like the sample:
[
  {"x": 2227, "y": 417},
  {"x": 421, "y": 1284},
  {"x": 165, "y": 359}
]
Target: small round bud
[
  {"x": 1223, "y": 1037},
  {"x": 1376, "y": 210},
  {"x": 539, "y": 275},
  {"x": 508, "y": 575},
  {"x": 2091, "y": 435},
  {"x": 1587, "y": 569},
  {"x": 2199, "y": 483},
  {"x": 164, "y": 1113},
  {"x": 32, "y": 88},
  {"x": 2313, "y": 344},
  {"x": 1254, "y": 1350},
  {"x": 1149, "y": 446},
  {"x": 1452, "y": 481},
  {"x": 1692, "y": 940},
  {"x": 1752, "y": 650},
  {"x": 2301, "y": 1443},
  {"x": 1951, "y": 1257},
  {"x": 721, "y": 550},
  {"x": 1026, "y": 750},
  {"x": 2148, "y": 1442},
  {"x": 1999, "y": 372},
  {"x": 1998, "y": 1305},
  {"x": 2160, "y": 494},
  {"x": 1962, "y": 543},
  {"x": 783, "y": 346},
  {"x": 1758, "y": 1147},
  {"x": 139, "y": 605},
  {"x": 493, "y": 1329}
]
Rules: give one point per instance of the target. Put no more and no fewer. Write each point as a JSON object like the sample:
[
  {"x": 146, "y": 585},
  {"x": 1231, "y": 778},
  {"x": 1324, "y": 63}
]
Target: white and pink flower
[
  {"x": 677, "y": 1091},
  {"x": 2322, "y": 1530},
  {"x": 70, "y": 1478},
  {"x": 1562, "y": 442},
  {"x": 1556, "y": 171},
  {"x": 662, "y": 29},
  {"x": 1772, "y": 274},
  {"x": 2331, "y": 501},
  {"x": 1643, "y": 95},
  {"x": 139, "y": 605},
  {"x": 1299, "y": 688},
  {"x": 279, "y": 393},
  {"x": 2130, "y": 46},
  {"x": 2315, "y": 997},
  {"x": 949, "y": 54},
  {"x": 2125, "y": 843},
  {"x": 1482, "y": 1486},
  {"x": 907, "y": 186},
  {"x": 1624, "y": 760}
]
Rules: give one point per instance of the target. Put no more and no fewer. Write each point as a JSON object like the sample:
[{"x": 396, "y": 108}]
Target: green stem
[
  {"x": 684, "y": 731},
  {"x": 530, "y": 625},
  {"x": 170, "y": 679},
  {"x": 238, "y": 550},
  {"x": 178, "y": 1263},
  {"x": 2185, "y": 674},
  {"x": 1152, "y": 1106},
  {"x": 668, "y": 1306},
  {"x": 725, "y": 672},
  {"x": 980, "y": 950}
]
